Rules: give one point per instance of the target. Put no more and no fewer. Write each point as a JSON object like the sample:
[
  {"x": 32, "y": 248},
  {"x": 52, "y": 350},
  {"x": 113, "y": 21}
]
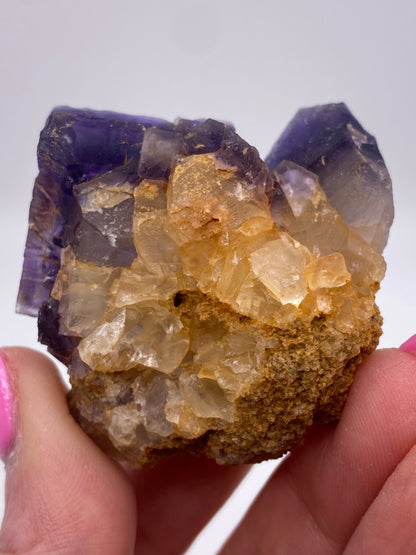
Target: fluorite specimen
[{"x": 202, "y": 299}]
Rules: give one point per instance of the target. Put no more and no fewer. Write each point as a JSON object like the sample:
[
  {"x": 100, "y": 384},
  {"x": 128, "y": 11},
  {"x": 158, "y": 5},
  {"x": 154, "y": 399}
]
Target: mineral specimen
[{"x": 203, "y": 300}]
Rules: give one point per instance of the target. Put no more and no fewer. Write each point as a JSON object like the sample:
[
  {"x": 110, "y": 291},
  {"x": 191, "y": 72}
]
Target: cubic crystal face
[{"x": 202, "y": 300}]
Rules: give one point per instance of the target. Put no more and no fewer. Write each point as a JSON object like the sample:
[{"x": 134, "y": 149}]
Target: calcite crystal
[{"x": 202, "y": 299}]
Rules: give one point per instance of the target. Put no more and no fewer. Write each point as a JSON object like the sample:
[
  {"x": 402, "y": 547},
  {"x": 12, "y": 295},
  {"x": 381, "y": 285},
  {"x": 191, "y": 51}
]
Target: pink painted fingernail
[
  {"x": 6, "y": 410},
  {"x": 410, "y": 345}
]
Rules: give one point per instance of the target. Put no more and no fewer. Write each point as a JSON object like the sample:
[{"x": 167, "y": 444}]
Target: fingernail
[
  {"x": 410, "y": 345},
  {"x": 6, "y": 410}
]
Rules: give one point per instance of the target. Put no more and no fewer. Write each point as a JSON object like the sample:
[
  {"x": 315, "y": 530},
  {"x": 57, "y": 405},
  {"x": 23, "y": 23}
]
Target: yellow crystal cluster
[{"x": 227, "y": 274}]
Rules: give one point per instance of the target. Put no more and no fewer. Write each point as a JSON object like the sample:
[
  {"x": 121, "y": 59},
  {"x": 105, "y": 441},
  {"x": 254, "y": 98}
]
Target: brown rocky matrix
[{"x": 202, "y": 300}]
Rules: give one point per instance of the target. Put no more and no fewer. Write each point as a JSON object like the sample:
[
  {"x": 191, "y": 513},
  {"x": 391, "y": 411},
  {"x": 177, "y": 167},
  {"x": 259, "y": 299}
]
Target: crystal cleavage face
[{"x": 203, "y": 299}]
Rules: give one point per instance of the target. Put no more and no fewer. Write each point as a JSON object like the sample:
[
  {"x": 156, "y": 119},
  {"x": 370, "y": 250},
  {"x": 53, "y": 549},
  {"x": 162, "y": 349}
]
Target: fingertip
[
  {"x": 385, "y": 387},
  {"x": 23, "y": 372},
  {"x": 38, "y": 399},
  {"x": 59, "y": 486}
]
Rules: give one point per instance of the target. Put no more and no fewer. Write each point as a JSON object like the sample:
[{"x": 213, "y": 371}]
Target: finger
[
  {"x": 177, "y": 497},
  {"x": 388, "y": 526},
  {"x": 316, "y": 500},
  {"x": 62, "y": 494}
]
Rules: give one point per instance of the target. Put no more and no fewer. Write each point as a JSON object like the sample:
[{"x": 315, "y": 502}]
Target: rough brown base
[{"x": 304, "y": 377}]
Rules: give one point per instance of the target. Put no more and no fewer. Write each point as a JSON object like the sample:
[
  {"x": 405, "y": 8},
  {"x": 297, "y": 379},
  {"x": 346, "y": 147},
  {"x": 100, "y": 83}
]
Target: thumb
[{"x": 63, "y": 495}]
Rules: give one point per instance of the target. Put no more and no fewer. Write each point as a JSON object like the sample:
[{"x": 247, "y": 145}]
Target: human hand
[{"x": 349, "y": 487}]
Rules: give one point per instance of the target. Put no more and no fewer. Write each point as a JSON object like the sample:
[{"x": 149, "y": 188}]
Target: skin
[{"x": 350, "y": 488}]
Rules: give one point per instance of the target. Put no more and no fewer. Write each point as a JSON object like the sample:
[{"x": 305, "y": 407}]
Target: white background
[{"x": 251, "y": 63}]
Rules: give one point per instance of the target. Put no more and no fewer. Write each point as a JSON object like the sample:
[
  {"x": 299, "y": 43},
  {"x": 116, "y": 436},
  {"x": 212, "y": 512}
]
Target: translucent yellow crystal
[{"x": 205, "y": 239}]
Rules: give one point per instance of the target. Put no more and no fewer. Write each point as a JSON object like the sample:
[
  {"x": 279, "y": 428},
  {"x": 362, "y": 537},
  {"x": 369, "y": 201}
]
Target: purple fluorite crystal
[
  {"x": 74, "y": 147},
  {"x": 328, "y": 141}
]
